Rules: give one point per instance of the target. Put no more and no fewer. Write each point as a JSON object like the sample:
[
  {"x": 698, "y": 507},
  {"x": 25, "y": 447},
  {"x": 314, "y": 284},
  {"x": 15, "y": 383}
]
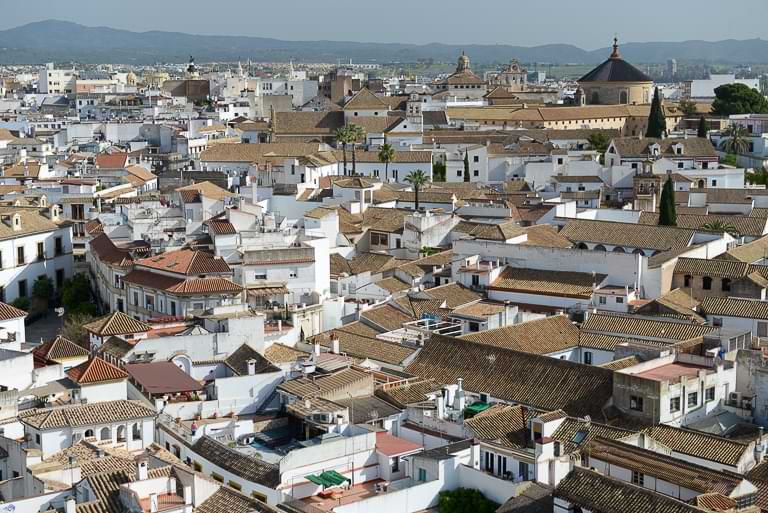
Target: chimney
[
  {"x": 335, "y": 343},
  {"x": 142, "y": 471},
  {"x": 251, "y": 367},
  {"x": 459, "y": 401},
  {"x": 70, "y": 506},
  {"x": 317, "y": 348}
]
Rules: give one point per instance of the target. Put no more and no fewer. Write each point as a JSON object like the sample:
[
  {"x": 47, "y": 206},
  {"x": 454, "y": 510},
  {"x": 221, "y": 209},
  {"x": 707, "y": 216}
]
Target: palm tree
[
  {"x": 386, "y": 155},
  {"x": 343, "y": 135},
  {"x": 417, "y": 179},
  {"x": 736, "y": 139},
  {"x": 356, "y": 134},
  {"x": 720, "y": 227}
]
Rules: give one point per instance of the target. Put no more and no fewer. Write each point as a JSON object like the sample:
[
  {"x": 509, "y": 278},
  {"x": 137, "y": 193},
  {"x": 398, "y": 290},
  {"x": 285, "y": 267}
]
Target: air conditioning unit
[{"x": 735, "y": 397}]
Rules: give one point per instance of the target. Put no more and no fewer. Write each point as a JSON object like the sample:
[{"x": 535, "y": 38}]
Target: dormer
[
  {"x": 55, "y": 213},
  {"x": 654, "y": 149},
  {"x": 16, "y": 222},
  {"x": 678, "y": 149}
]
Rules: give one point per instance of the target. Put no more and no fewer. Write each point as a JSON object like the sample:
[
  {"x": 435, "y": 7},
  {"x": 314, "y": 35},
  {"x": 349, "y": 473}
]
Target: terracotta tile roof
[
  {"x": 27, "y": 169},
  {"x": 241, "y": 465},
  {"x": 423, "y": 157},
  {"x": 714, "y": 502},
  {"x": 735, "y": 307},
  {"x": 393, "y": 285},
  {"x": 676, "y": 303},
  {"x": 566, "y": 433},
  {"x": 637, "y": 327},
  {"x": 723, "y": 269},
  {"x": 324, "y": 385},
  {"x": 749, "y": 253},
  {"x": 186, "y": 262},
  {"x": 600, "y": 341},
  {"x": 545, "y": 235},
  {"x": 95, "y": 370},
  {"x": 537, "y": 381},
  {"x": 437, "y": 300},
  {"x": 220, "y": 227},
  {"x": 250, "y": 153},
  {"x": 280, "y": 353},
  {"x": 207, "y": 285},
  {"x": 112, "y": 161},
  {"x": 673, "y": 470},
  {"x": 504, "y": 424},
  {"x": 386, "y": 317},
  {"x": 541, "y": 336},
  {"x": 422, "y": 266},
  {"x": 629, "y": 147},
  {"x": 207, "y": 189},
  {"x": 116, "y": 323},
  {"x": 32, "y": 221},
  {"x": 161, "y": 378},
  {"x": 595, "y": 492},
  {"x": 487, "y": 231},
  {"x": 744, "y": 225},
  {"x": 621, "y": 363},
  {"x": 548, "y": 283},
  {"x": 359, "y": 341},
  {"x": 699, "y": 444},
  {"x": 60, "y": 348},
  {"x": 363, "y": 262},
  {"x": 8, "y": 312},
  {"x": 86, "y": 414},
  {"x": 238, "y": 361},
  {"x": 226, "y": 500},
  {"x": 480, "y": 310},
  {"x": 94, "y": 227},
  {"x": 107, "y": 252},
  {"x": 628, "y": 235},
  {"x": 365, "y": 100},
  {"x": 115, "y": 346},
  {"x": 410, "y": 392}
]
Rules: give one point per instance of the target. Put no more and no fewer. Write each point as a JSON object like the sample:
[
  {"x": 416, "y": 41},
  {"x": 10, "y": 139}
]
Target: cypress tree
[
  {"x": 702, "y": 131},
  {"x": 466, "y": 166},
  {"x": 657, "y": 124},
  {"x": 667, "y": 210}
]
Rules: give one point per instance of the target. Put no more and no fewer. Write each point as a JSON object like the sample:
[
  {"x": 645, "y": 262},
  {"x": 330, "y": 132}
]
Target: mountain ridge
[{"x": 55, "y": 40}]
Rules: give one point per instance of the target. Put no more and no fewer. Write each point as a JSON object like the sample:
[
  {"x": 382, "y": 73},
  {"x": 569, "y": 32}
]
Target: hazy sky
[{"x": 590, "y": 24}]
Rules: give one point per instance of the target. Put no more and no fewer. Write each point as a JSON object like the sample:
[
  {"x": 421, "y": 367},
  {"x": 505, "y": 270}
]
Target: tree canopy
[
  {"x": 76, "y": 296},
  {"x": 667, "y": 209},
  {"x": 733, "y": 99},
  {"x": 465, "y": 500},
  {"x": 657, "y": 123}
]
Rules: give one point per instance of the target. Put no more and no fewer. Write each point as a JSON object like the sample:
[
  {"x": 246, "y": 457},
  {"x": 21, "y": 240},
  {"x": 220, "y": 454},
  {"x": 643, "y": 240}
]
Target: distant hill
[{"x": 64, "y": 41}]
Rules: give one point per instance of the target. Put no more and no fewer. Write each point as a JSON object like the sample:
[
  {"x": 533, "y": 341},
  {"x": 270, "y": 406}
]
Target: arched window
[
  {"x": 707, "y": 283},
  {"x": 121, "y": 433},
  {"x": 638, "y": 252},
  {"x": 136, "y": 432},
  {"x": 618, "y": 249},
  {"x": 687, "y": 280},
  {"x": 89, "y": 433},
  {"x": 599, "y": 247},
  {"x": 726, "y": 285},
  {"x": 595, "y": 98},
  {"x": 702, "y": 184},
  {"x": 623, "y": 98},
  {"x": 581, "y": 245},
  {"x": 105, "y": 434}
]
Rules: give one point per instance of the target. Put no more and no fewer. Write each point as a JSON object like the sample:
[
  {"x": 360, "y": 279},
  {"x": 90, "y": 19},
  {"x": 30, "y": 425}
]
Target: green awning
[
  {"x": 328, "y": 478},
  {"x": 477, "y": 407}
]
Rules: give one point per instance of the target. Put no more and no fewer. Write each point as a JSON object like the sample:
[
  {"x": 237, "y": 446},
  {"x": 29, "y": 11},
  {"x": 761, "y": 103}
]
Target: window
[
  {"x": 602, "y": 300},
  {"x": 638, "y": 478},
  {"x": 726, "y": 285},
  {"x": 198, "y": 306},
  {"x": 135, "y": 298},
  {"x": 476, "y": 158},
  {"x": 217, "y": 477},
  {"x": 22, "y": 288},
  {"x": 260, "y": 275},
  {"x": 709, "y": 394},
  {"x": 459, "y": 172},
  {"x": 474, "y": 326},
  {"x": 235, "y": 485},
  {"x": 59, "y": 278},
  {"x": 707, "y": 283},
  {"x": 172, "y": 306},
  {"x": 259, "y": 496},
  {"x": 475, "y": 280},
  {"x": 379, "y": 239},
  {"x": 395, "y": 464},
  {"x": 20, "y": 255},
  {"x": 523, "y": 470},
  {"x": 59, "y": 246},
  {"x": 693, "y": 398},
  {"x": 680, "y": 165},
  {"x": 762, "y": 329},
  {"x": 619, "y": 300},
  {"x": 714, "y": 183},
  {"x": 41, "y": 251},
  {"x": 149, "y": 302},
  {"x": 674, "y": 404},
  {"x": 635, "y": 403},
  {"x": 476, "y": 172},
  {"x": 588, "y": 357},
  {"x": 422, "y": 475},
  {"x": 717, "y": 322},
  {"x": 687, "y": 280}
]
